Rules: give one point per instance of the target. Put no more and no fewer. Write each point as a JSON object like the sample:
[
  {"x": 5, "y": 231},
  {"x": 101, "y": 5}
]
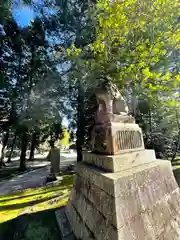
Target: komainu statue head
[{"x": 111, "y": 104}]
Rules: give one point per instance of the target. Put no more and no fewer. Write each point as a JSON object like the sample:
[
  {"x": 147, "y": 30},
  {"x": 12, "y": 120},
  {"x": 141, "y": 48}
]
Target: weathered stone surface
[
  {"x": 64, "y": 225},
  {"x": 130, "y": 200},
  {"x": 140, "y": 203},
  {"x": 79, "y": 228},
  {"x": 114, "y": 138},
  {"x": 120, "y": 183},
  {"x": 120, "y": 162},
  {"x": 160, "y": 222},
  {"x": 96, "y": 222},
  {"x": 148, "y": 224},
  {"x": 102, "y": 201},
  {"x": 110, "y": 101},
  {"x": 54, "y": 158}
]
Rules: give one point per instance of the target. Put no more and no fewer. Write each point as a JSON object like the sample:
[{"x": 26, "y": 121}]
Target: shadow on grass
[
  {"x": 67, "y": 181},
  {"x": 10, "y": 171},
  {"x": 176, "y": 173},
  {"x": 36, "y": 226},
  {"x": 28, "y": 204},
  {"x": 57, "y": 189},
  {"x": 40, "y": 159},
  {"x": 175, "y": 163},
  {"x": 40, "y": 195}
]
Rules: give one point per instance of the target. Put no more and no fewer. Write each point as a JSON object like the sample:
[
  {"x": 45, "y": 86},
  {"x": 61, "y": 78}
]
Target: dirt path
[{"x": 32, "y": 179}]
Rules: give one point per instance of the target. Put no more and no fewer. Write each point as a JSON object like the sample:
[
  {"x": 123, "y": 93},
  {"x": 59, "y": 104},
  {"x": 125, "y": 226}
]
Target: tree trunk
[
  {"x": 4, "y": 143},
  {"x": 24, "y": 144},
  {"x": 33, "y": 145},
  {"x": 59, "y": 161},
  {"x": 150, "y": 127},
  {"x": 176, "y": 148},
  {"x": 178, "y": 140},
  {"x": 12, "y": 147},
  {"x": 80, "y": 121}
]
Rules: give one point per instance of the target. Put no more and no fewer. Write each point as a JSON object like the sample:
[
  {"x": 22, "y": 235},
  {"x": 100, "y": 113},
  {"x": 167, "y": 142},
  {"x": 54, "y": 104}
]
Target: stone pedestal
[
  {"x": 124, "y": 197},
  {"x": 120, "y": 162},
  {"x": 54, "y": 158},
  {"x": 114, "y": 138}
]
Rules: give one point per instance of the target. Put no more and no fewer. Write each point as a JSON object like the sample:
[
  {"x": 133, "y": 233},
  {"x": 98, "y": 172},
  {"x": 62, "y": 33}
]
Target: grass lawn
[
  {"x": 36, "y": 226},
  {"x": 29, "y": 215},
  {"x": 176, "y": 163}
]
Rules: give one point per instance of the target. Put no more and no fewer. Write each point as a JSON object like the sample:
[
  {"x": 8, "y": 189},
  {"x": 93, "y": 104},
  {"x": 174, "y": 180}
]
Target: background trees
[{"x": 31, "y": 86}]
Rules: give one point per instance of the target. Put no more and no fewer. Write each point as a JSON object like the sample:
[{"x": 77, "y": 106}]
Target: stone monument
[
  {"x": 121, "y": 191},
  {"x": 54, "y": 158}
]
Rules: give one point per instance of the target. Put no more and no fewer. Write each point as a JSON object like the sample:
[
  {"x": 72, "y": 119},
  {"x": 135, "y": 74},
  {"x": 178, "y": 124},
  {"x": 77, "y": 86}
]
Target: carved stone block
[
  {"x": 119, "y": 162},
  {"x": 115, "y": 138}
]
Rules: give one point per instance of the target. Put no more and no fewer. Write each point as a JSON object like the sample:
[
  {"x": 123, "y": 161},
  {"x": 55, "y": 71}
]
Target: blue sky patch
[{"x": 23, "y": 15}]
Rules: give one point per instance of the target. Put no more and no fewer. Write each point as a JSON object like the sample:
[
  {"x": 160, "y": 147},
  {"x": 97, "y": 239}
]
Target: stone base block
[
  {"x": 79, "y": 227},
  {"x": 64, "y": 225},
  {"x": 139, "y": 203},
  {"x": 114, "y": 138},
  {"x": 120, "y": 162}
]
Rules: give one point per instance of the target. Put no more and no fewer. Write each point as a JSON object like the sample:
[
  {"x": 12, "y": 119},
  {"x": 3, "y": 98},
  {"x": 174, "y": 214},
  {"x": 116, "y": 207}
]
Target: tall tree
[
  {"x": 71, "y": 24},
  {"x": 11, "y": 63},
  {"x": 135, "y": 43}
]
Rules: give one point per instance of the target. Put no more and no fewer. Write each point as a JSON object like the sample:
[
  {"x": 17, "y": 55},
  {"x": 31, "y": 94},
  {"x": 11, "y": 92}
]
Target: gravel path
[{"x": 32, "y": 179}]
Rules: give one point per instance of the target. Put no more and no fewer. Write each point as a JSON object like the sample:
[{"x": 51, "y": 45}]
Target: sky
[{"x": 23, "y": 15}]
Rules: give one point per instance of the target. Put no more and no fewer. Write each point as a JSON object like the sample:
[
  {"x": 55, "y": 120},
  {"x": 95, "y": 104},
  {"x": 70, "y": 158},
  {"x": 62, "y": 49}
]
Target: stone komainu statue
[
  {"x": 112, "y": 108},
  {"x": 110, "y": 101}
]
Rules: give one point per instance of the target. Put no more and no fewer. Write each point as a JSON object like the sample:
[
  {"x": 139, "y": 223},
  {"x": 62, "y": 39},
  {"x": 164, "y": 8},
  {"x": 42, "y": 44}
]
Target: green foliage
[
  {"x": 65, "y": 139},
  {"x": 133, "y": 45},
  {"x": 31, "y": 84},
  {"x": 134, "y": 40},
  {"x": 159, "y": 123}
]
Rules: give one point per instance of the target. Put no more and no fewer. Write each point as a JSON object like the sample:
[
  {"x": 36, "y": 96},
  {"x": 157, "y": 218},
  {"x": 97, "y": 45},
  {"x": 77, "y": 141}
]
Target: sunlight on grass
[
  {"x": 176, "y": 167},
  {"x": 35, "y": 200},
  {"x": 176, "y": 162},
  {"x": 8, "y": 215}
]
